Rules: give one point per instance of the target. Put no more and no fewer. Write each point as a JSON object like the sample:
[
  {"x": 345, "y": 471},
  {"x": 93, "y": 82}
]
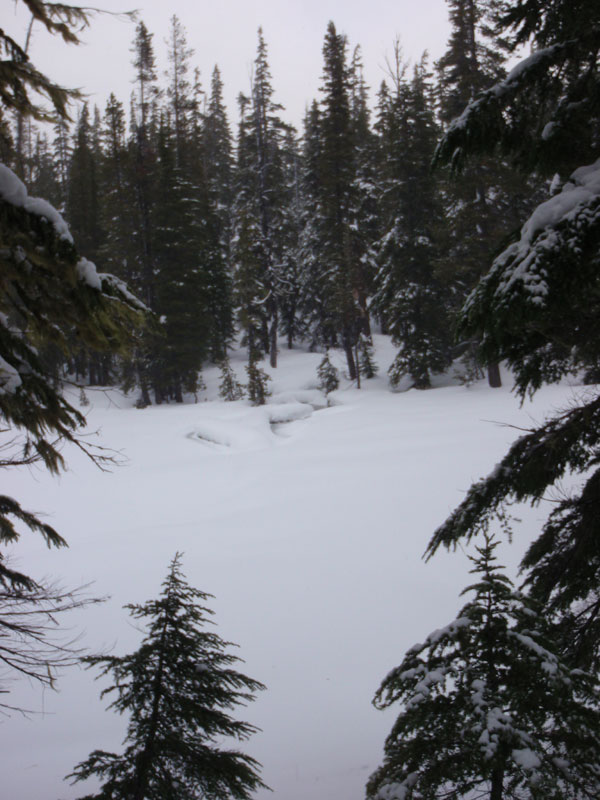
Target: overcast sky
[{"x": 225, "y": 33}]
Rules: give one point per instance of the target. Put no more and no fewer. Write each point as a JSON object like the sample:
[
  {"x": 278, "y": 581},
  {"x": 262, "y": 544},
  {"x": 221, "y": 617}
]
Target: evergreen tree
[
  {"x": 117, "y": 196},
  {"x": 229, "y": 388},
  {"x": 181, "y": 301},
  {"x": 333, "y": 241},
  {"x": 312, "y": 302},
  {"x": 143, "y": 119},
  {"x": 177, "y": 689},
  {"x": 329, "y": 378},
  {"x": 218, "y": 162},
  {"x": 181, "y": 102},
  {"x": 61, "y": 148},
  {"x": 47, "y": 291},
  {"x": 367, "y": 367},
  {"x": 215, "y": 225},
  {"x": 537, "y": 305},
  {"x": 260, "y": 198},
  {"x": 257, "y": 382},
  {"x": 292, "y": 324},
  {"x": 489, "y": 708},
  {"x": 485, "y": 203},
  {"x": 410, "y": 299},
  {"x": 365, "y": 224},
  {"x": 44, "y": 179},
  {"x": 82, "y": 192}
]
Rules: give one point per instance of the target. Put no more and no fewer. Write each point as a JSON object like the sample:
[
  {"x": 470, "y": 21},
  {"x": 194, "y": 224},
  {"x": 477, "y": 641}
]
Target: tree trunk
[
  {"x": 273, "y": 340},
  {"x": 352, "y": 371},
  {"x": 493, "y": 373},
  {"x": 497, "y": 787}
]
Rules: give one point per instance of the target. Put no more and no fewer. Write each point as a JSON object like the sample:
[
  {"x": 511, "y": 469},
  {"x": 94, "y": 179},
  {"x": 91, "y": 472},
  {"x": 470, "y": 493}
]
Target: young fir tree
[
  {"x": 229, "y": 389},
  {"x": 489, "y": 709},
  {"x": 256, "y": 388},
  {"x": 537, "y": 306},
  {"x": 367, "y": 365},
  {"x": 329, "y": 378},
  {"x": 177, "y": 688}
]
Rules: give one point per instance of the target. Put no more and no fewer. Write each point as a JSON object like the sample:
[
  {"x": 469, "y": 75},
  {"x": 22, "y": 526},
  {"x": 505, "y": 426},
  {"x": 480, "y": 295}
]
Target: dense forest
[
  {"x": 312, "y": 236},
  {"x": 461, "y": 215}
]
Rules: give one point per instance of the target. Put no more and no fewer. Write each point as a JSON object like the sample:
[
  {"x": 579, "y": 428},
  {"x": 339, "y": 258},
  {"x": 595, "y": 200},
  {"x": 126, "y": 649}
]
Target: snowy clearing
[{"x": 306, "y": 521}]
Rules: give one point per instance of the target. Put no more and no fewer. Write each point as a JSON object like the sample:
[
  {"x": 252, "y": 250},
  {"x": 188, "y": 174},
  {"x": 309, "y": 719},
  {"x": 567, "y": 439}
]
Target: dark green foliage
[
  {"x": 177, "y": 689},
  {"x": 485, "y": 203},
  {"x": 366, "y": 360},
  {"x": 564, "y": 562},
  {"x": 537, "y": 307},
  {"x": 261, "y": 208},
  {"x": 410, "y": 299},
  {"x": 218, "y": 160},
  {"x": 337, "y": 204},
  {"x": 329, "y": 378},
  {"x": 46, "y": 292},
  {"x": 256, "y": 388},
  {"x": 229, "y": 388},
  {"x": 181, "y": 292},
  {"x": 489, "y": 708}
]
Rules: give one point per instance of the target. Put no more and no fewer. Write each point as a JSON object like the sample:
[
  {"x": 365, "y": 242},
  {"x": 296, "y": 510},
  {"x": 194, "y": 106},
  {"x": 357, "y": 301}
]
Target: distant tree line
[{"x": 273, "y": 233}]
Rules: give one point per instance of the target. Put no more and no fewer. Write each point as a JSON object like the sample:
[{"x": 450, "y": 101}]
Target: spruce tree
[
  {"x": 256, "y": 388},
  {"x": 490, "y": 709},
  {"x": 218, "y": 162},
  {"x": 367, "y": 366},
  {"x": 486, "y": 201},
  {"x": 409, "y": 297},
  {"x": 143, "y": 124},
  {"x": 536, "y": 308},
  {"x": 178, "y": 688},
  {"x": 229, "y": 389},
  {"x": 260, "y": 202},
  {"x": 47, "y": 292},
  {"x": 337, "y": 207},
  {"x": 329, "y": 378},
  {"x": 181, "y": 301}
]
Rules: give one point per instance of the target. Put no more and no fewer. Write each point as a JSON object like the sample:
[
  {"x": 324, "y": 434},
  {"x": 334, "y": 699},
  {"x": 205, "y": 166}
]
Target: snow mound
[
  {"x": 310, "y": 397},
  {"x": 252, "y": 430},
  {"x": 287, "y": 412},
  {"x": 233, "y": 435}
]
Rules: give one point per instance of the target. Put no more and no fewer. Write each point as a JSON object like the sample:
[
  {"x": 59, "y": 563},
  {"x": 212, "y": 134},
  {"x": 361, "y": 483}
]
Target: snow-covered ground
[{"x": 306, "y": 521}]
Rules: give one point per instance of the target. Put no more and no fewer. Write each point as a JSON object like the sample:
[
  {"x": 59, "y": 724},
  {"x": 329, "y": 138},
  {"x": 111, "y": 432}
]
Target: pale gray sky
[{"x": 224, "y": 33}]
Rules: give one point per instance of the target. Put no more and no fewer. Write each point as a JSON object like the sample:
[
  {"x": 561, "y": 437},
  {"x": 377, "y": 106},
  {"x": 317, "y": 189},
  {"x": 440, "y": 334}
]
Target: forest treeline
[{"x": 272, "y": 232}]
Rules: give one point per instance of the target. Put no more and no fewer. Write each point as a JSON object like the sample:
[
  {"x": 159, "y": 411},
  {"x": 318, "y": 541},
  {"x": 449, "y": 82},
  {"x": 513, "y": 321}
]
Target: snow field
[{"x": 306, "y": 521}]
